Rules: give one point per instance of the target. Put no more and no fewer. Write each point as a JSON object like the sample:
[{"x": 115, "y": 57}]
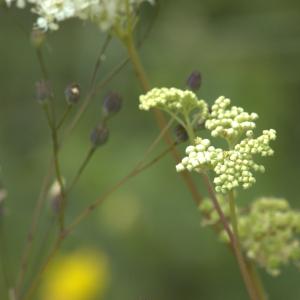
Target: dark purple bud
[
  {"x": 37, "y": 37},
  {"x": 112, "y": 103},
  {"x": 180, "y": 134},
  {"x": 194, "y": 81},
  {"x": 72, "y": 93},
  {"x": 99, "y": 135},
  {"x": 43, "y": 91}
]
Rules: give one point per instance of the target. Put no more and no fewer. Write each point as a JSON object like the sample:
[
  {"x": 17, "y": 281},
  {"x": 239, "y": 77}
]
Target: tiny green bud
[
  {"x": 72, "y": 93},
  {"x": 99, "y": 135}
]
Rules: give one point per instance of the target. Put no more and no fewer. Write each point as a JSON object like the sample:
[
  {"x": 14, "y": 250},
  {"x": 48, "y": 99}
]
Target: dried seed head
[
  {"x": 194, "y": 81},
  {"x": 72, "y": 93},
  {"x": 99, "y": 135},
  {"x": 43, "y": 91},
  {"x": 180, "y": 134},
  {"x": 112, "y": 103}
]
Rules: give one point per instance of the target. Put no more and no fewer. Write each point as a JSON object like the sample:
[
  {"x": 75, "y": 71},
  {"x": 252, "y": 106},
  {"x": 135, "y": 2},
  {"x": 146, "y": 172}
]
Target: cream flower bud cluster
[
  {"x": 229, "y": 123},
  {"x": 105, "y": 13},
  {"x": 173, "y": 100},
  {"x": 234, "y": 167},
  {"x": 269, "y": 232},
  {"x": 201, "y": 156}
]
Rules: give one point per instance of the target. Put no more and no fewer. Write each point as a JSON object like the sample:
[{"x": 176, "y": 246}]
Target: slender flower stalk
[
  {"x": 86, "y": 213},
  {"x": 140, "y": 73},
  {"x": 160, "y": 119},
  {"x": 59, "y": 178}
]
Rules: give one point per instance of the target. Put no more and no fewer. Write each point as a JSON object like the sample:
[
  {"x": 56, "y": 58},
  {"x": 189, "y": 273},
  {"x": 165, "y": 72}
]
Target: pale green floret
[
  {"x": 270, "y": 234},
  {"x": 233, "y": 168},
  {"x": 227, "y": 123},
  {"x": 174, "y": 101},
  {"x": 269, "y": 231}
]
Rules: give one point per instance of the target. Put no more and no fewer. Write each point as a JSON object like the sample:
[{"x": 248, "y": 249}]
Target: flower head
[
  {"x": 233, "y": 167},
  {"x": 105, "y": 13},
  {"x": 228, "y": 123},
  {"x": 173, "y": 100}
]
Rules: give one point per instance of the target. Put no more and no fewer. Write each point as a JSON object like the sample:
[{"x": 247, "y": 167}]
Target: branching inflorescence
[{"x": 269, "y": 231}]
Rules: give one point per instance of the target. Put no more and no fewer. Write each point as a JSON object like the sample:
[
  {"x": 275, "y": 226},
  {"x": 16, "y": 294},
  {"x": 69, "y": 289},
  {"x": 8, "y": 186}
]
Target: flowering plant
[{"x": 221, "y": 147}]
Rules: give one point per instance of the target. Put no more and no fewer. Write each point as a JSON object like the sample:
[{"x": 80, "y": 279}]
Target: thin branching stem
[
  {"x": 82, "y": 109},
  {"x": 3, "y": 258},
  {"x": 249, "y": 283},
  {"x": 58, "y": 174},
  {"x": 160, "y": 119},
  {"x": 47, "y": 179},
  {"x": 82, "y": 167},
  {"x": 85, "y": 213},
  {"x": 65, "y": 115},
  {"x": 99, "y": 60}
]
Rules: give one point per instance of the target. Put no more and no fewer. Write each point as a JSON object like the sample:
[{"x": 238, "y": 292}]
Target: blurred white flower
[{"x": 105, "y": 13}]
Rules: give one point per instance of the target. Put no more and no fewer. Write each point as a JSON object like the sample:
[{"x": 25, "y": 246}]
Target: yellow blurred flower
[{"x": 82, "y": 275}]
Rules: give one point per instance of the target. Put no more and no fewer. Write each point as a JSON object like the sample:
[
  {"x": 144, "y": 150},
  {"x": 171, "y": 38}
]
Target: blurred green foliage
[{"x": 150, "y": 229}]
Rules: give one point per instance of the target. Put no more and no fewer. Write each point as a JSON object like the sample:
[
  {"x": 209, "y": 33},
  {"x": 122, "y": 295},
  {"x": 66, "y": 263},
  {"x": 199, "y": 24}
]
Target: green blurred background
[{"x": 150, "y": 229}]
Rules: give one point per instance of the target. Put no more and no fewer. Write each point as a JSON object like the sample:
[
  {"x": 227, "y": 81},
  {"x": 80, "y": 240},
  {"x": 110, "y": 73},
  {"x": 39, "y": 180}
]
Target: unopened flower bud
[
  {"x": 43, "y": 91},
  {"x": 112, "y": 103},
  {"x": 180, "y": 134},
  {"x": 194, "y": 81},
  {"x": 72, "y": 93},
  {"x": 55, "y": 197},
  {"x": 37, "y": 37},
  {"x": 99, "y": 135}
]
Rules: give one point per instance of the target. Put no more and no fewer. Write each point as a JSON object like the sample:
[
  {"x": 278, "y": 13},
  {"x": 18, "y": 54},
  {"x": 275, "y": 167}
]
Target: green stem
[
  {"x": 3, "y": 258},
  {"x": 141, "y": 75},
  {"x": 57, "y": 166},
  {"x": 137, "y": 170},
  {"x": 82, "y": 167},
  {"x": 85, "y": 214},
  {"x": 250, "y": 266},
  {"x": 233, "y": 215},
  {"x": 258, "y": 283},
  {"x": 64, "y": 117},
  {"x": 160, "y": 119},
  {"x": 248, "y": 280}
]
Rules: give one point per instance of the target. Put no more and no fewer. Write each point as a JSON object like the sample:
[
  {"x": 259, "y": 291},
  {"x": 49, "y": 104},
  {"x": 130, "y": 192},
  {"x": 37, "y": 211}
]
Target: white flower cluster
[
  {"x": 268, "y": 231},
  {"x": 229, "y": 123},
  {"x": 105, "y": 13},
  {"x": 236, "y": 166},
  {"x": 173, "y": 100},
  {"x": 202, "y": 156},
  {"x": 233, "y": 167}
]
